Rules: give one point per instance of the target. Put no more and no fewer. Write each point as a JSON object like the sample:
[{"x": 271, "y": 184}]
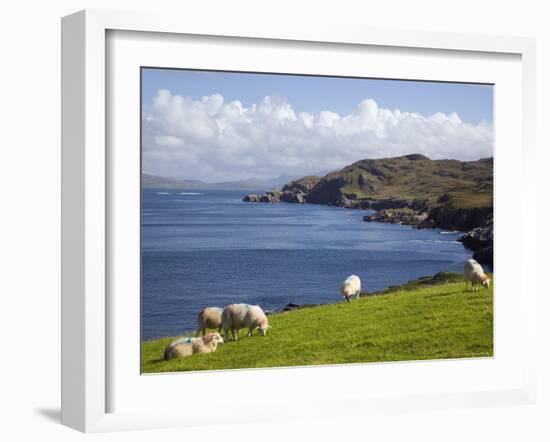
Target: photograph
[{"x": 305, "y": 220}]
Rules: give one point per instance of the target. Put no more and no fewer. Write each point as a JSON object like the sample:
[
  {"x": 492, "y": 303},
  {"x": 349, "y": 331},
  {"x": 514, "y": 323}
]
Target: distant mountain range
[{"x": 155, "y": 181}]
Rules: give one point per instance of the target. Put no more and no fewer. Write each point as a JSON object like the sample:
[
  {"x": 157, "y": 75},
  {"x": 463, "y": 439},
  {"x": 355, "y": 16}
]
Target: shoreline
[
  {"x": 426, "y": 323},
  {"x": 420, "y": 282},
  {"x": 476, "y": 224}
]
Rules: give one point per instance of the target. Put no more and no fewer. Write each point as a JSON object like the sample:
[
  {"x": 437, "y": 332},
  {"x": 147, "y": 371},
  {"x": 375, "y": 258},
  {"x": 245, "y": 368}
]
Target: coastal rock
[
  {"x": 296, "y": 197},
  {"x": 427, "y": 224},
  {"x": 478, "y": 238},
  {"x": 252, "y": 198},
  {"x": 463, "y": 219},
  {"x": 275, "y": 196},
  {"x": 291, "y": 306},
  {"x": 271, "y": 197},
  {"x": 348, "y": 202},
  {"x": 381, "y": 204},
  {"x": 484, "y": 256},
  {"x": 397, "y": 216}
]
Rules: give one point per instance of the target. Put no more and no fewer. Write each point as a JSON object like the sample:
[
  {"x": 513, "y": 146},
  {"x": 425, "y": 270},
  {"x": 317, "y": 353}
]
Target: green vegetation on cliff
[{"x": 414, "y": 179}]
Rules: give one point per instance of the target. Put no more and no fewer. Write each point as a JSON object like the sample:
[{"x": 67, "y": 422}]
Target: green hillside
[
  {"x": 410, "y": 178},
  {"x": 427, "y": 319}
]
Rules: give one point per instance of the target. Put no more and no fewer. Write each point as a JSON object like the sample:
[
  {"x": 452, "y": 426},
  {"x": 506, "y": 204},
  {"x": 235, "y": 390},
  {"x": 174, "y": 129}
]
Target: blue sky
[
  {"x": 472, "y": 102},
  {"x": 221, "y": 126}
]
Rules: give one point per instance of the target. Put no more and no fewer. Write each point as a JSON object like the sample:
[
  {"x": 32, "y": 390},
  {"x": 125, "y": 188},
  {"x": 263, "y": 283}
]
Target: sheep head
[
  {"x": 263, "y": 328},
  {"x": 212, "y": 339}
]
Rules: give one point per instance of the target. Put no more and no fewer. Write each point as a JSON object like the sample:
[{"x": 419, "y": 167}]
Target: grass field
[{"x": 425, "y": 319}]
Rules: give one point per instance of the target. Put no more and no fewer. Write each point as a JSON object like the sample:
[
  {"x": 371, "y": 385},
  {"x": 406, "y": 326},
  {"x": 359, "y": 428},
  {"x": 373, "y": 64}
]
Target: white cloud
[{"x": 215, "y": 140}]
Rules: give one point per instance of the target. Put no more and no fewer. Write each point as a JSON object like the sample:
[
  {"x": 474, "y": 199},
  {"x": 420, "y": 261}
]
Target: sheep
[
  {"x": 237, "y": 316},
  {"x": 351, "y": 287},
  {"x": 209, "y": 317},
  {"x": 473, "y": 272},
  {"x": 188, "y": 346}
]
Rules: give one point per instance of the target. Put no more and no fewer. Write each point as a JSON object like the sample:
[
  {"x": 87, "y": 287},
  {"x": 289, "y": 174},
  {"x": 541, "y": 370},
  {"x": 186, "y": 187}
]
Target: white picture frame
[{"x": 87, "y": 216}]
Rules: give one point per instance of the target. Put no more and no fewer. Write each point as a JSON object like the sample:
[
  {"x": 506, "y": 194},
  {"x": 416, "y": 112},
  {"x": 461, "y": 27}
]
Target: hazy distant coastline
[{"x": 149, "y": 181}]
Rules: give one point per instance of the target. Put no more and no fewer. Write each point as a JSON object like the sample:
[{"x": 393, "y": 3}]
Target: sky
[{"x": 224, "y": 126}]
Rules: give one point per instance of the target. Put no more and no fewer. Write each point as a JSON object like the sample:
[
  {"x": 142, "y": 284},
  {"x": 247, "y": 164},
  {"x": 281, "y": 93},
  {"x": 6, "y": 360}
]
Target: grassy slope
[
  {"x": 418, "y": 321},
  {"x": 469, "y": 184}
]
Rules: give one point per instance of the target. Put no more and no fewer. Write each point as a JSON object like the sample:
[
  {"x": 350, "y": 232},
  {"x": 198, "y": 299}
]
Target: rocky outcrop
[
  {"x": 480, "y": 240},
  {"x": 396, "y": 216},
  {"x": 484, "y": 256},
  {"x": 275, "y": 196},
  {"x": 293, "y": 197},
  {"x": 463, "y": 219},
  {"x": 252, "y": 198}
]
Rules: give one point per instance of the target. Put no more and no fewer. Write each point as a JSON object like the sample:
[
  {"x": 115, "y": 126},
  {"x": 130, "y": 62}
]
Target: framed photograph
[{"x": 316, "y": 215}]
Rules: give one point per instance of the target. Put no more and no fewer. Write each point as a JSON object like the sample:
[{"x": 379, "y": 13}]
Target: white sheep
[
  {"x": 237, "y": 316},
  {"x": 351, "y": 287},
  {"x": 209, "y": 317},
  {"x": 473, "y": 272},
  {"x": 188, "y": 346}
]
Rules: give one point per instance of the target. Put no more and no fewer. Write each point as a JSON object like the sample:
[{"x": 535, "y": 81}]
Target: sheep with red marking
[
  {"x": 237, "y": 316},
  {"x": 188, "y": 346},
  {"x": 473, "y": 273}
]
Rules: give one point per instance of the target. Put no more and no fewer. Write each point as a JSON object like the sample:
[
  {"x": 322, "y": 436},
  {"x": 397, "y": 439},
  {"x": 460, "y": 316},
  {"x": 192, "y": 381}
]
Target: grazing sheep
[
  {"x": 183, "y": 347},
  {"x": 473, "y": 272},
  {"x": 209, "y": 317},
  {"x": 351, "y": 287},
  {"x": 237, "y": 316}
]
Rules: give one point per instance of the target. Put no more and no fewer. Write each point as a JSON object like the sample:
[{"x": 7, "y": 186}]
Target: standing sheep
[
  {"x": 473, "y": 272},
  {"x": 351, "y": 287},
  {"x": 183, "y": 347},
  {"x": 237, "y": 316},
  {"x": 209, "y": 317}
]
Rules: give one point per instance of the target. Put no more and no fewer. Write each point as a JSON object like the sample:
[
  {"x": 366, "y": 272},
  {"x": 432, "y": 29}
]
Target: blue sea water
[{"x": 208, "y": 248}]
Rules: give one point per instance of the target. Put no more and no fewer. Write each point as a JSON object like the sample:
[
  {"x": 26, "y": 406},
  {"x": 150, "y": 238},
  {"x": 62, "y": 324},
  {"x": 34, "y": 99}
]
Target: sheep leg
[
  {"x": 235, "y": 334},
  {"x": 250, "y": 332},
  {"x": 347, "y": 298}
]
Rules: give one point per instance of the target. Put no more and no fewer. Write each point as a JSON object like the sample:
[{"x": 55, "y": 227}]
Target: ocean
[{"x": 208, "y": 248}]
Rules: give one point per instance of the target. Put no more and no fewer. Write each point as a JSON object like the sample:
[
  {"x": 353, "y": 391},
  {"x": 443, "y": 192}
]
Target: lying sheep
[
  {"x": 183, "y": 347},
  {"x": 209, "y": 317},
  {"x": 351, "y": 287},
  {"x": 237, "y": 316},
  {"x": 473, "y": 272}
]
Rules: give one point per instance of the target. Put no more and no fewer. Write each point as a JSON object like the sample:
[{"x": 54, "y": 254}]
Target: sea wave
[
  {"x": 190, "y": 193},
  {"x": 449, "y": 232},
  {"x": 164, "y": 193}
]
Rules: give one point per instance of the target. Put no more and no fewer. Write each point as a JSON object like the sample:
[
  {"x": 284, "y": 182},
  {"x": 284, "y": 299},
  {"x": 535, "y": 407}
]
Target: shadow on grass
[{"x": 438, "y": 295}]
